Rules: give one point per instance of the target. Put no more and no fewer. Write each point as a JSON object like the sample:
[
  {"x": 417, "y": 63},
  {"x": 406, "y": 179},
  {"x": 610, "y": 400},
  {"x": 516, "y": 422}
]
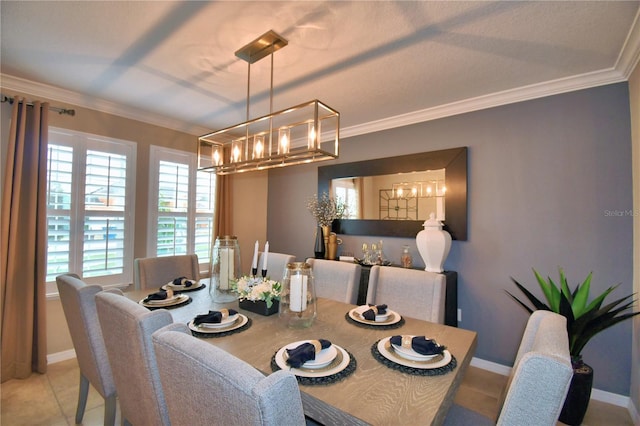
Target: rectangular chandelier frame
[{"x": 305, "y": 133}]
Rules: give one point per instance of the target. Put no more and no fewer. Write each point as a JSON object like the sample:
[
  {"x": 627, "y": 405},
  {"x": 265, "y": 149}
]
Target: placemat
[
  {"x": 377, "y": 327},
  {"x": 326, "y": 380},
  {"x": 222, "y": 333},
  {"x": 411, "y": 370},
  {"x": 153, "y": 308}
]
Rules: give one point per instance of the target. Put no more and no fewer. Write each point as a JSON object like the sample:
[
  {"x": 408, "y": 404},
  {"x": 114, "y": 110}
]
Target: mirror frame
[{"x": 453, "y": 160}]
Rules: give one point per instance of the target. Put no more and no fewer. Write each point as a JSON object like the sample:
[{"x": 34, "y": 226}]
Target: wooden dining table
[{"x": 374, "y": 393}]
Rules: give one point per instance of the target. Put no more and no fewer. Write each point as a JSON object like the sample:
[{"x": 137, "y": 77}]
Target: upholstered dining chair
[
  {"x": 154, "y": 272},
  {"x": 336, "y": 280},
  {"x": 209, "y": 386},
  {"x": 79, "y": 306},
  {"x": 276, "y": 264},
  {"x": 127, "y": 328},
  {"x": 410, "y": 292},
  {"x": 539, "y": 379}
]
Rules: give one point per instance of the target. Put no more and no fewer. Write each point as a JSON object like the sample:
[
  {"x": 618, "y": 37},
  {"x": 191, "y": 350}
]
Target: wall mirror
[{"x": 394, "y": 196}]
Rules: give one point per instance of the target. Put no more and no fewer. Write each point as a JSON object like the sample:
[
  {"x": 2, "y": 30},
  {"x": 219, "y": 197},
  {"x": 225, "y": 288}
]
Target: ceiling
[{"x": 380, "y": 64}]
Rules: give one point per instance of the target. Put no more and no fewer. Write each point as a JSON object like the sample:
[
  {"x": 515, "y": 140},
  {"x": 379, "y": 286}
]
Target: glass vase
[
  {"x": 298, "y": 306},
  {"x": 225, "y": 269}
]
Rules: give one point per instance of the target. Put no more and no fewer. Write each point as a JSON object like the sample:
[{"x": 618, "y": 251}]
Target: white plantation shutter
[
  {"x": 181, "y": 203},
  {"x": 90, "y": 211}
]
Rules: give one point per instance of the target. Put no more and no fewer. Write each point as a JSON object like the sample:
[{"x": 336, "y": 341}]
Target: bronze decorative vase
[{"x": 577, "y": 400}]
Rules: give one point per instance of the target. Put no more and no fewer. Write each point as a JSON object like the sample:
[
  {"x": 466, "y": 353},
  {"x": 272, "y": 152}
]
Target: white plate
[
  {"x": 386, "y": 350},
  {"x": 393, "y": 318},
  {"x": 241, "y": 320},
  {"x": 323, "y": 358},
  {"x": 379, "y": 318},
  {"x": 339, "y": 363},
  {"x": 225, "y": 322},
  {"x": 174, "y": 287},
  {"x": 411, "y": 354},
  {"x": 175, "y": 300}
]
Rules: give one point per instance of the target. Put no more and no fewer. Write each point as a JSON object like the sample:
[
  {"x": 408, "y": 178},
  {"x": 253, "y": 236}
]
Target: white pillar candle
[
  {"x": 226, "y": 267},
  {"x": 266, "y": 255},
  {"x": 254, "y": 263},
  {"x": 298, "y": 296}
]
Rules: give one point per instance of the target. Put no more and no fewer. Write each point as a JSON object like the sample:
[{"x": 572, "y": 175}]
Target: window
[
  {"x": 90, "y": 206},
  {"x": 181, "y": 205}
]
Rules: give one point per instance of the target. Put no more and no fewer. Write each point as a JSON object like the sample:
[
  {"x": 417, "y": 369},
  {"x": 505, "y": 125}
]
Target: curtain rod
[{"x": 71, "y": 112}]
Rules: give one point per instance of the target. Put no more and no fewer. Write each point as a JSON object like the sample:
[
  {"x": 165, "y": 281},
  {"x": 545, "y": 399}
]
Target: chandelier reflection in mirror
[
  {"x": 432, "y": 188},
  {"x": 305, "y": 133}
]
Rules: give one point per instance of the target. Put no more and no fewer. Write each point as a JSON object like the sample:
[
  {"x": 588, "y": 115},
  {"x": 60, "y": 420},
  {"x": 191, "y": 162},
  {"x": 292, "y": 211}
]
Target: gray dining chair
[
  {"x": 154, "y": 272},
  {"x": 209, "y": 386},
  {"x": 336, "y": 280},
  {"x": 276, "y": 264},
  {"x": 127, "y": 328},
  {"x": 79, "y": 306},
  {"x": 410, "y": 292},
  {"x": 539, "y": 380}
]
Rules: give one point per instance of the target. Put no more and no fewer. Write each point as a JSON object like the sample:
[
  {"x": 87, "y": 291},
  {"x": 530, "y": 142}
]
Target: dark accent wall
[{"x": 550, "y": 185}]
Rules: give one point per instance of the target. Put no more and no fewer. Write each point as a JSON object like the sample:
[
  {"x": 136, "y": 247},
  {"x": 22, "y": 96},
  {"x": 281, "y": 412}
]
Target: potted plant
[
  {"x": 325, "y": 210},
  {"x": 257, "y": 294},
  {"x": 584, "y": 320}
]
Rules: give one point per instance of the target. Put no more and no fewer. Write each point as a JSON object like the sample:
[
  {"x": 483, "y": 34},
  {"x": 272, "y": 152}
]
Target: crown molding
[
  {"x": 76, "y": 99},
  {"x": 630, "y": 53},
  {"x": 534, "y": 91},
  {"x": 525, "y": 93}
]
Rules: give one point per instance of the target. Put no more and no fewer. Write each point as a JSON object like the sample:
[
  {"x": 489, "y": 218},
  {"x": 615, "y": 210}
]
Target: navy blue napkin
[
  {"x": 421, "y": 345},
  {"x": 158, "y": 295},
  {"x": 370, "y": 314},
  {"x": 305, "y": 352},
  {"x": 183, "y": 281},
  {"x": 213, "y": 317}
]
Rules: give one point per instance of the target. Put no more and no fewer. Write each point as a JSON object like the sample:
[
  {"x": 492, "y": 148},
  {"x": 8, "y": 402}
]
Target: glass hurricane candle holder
[
  {"x": 225, "y": 268},
  {"x": 298, "y": 306}
]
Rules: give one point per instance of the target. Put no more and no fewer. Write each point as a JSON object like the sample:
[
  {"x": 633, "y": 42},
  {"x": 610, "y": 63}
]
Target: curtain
[
  {"x": 223, "y": 222},
  {"x": 24, "y": 239}
]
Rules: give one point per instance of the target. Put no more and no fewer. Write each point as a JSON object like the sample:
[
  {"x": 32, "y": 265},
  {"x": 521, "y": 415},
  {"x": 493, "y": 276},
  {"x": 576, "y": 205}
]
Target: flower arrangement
[
  {"x": 325, "y": 209},
  {"x": 257, "y": 288}
]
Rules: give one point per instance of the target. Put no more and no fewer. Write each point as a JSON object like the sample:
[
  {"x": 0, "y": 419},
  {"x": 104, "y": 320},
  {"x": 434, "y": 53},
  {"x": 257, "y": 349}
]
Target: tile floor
[{"x": 50, "y": 399}]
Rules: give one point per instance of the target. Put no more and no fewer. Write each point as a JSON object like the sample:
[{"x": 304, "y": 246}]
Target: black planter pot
[{"x": 577, "y": 401}]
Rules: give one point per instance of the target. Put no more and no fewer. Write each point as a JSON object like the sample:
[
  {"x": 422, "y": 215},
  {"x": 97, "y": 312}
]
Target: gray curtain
[{"x": 24, "y": 239}]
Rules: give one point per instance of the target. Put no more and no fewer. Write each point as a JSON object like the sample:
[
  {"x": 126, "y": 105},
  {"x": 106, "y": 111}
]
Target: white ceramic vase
[{"x": 433, "y": 244}]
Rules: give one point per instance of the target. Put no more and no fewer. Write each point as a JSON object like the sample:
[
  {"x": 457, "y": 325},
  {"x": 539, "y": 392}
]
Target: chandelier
[{"x": 305, "y": 133}]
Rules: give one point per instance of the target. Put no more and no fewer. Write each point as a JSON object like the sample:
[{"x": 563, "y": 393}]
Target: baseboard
[
  {"x": 61, "y": 356},
  {"x": 635, "y": 416},
  {"x": 596, "y": 394}
]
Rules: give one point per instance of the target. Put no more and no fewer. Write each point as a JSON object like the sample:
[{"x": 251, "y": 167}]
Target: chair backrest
[
  {"x": 127, "y": 328},
  {"x": 541, "y": 374},
  {"x": 79, "y": 306},
  {"x": 336, "y": 280},
  {"x": 210, "y": 386},
  {"x": 410, "y": 292},
  {"x": 276, "y": 264},
  {"x": 154, "y": 272}
]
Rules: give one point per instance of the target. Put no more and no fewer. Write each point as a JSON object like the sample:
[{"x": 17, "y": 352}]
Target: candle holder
[
  {"x": 298, "y": 306},
  {"x": 225, "y": 269}
]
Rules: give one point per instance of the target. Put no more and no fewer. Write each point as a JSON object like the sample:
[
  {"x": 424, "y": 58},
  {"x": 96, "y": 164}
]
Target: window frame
[
  {"x": 81, "y": 142},
  {"x": 156, "y": 155}
]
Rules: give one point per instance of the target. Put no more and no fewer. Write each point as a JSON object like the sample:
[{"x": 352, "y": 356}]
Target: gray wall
[{"x": 550, "y": 186}]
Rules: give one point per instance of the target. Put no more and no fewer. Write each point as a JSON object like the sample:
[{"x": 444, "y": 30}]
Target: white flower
[{"x": 256, "y": 289}]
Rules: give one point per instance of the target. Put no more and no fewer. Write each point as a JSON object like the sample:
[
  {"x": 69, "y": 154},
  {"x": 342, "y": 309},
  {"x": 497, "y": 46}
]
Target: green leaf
[
  {"x": 565, "y": 287},
  {"x": 579, "y": 303},
  {"x": 534, "y": 300},
  {"x": 551, "y": 292}
]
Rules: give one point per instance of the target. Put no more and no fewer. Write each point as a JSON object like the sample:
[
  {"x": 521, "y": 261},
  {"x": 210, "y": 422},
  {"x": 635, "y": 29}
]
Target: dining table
[{"x": 372, "y": 389}]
